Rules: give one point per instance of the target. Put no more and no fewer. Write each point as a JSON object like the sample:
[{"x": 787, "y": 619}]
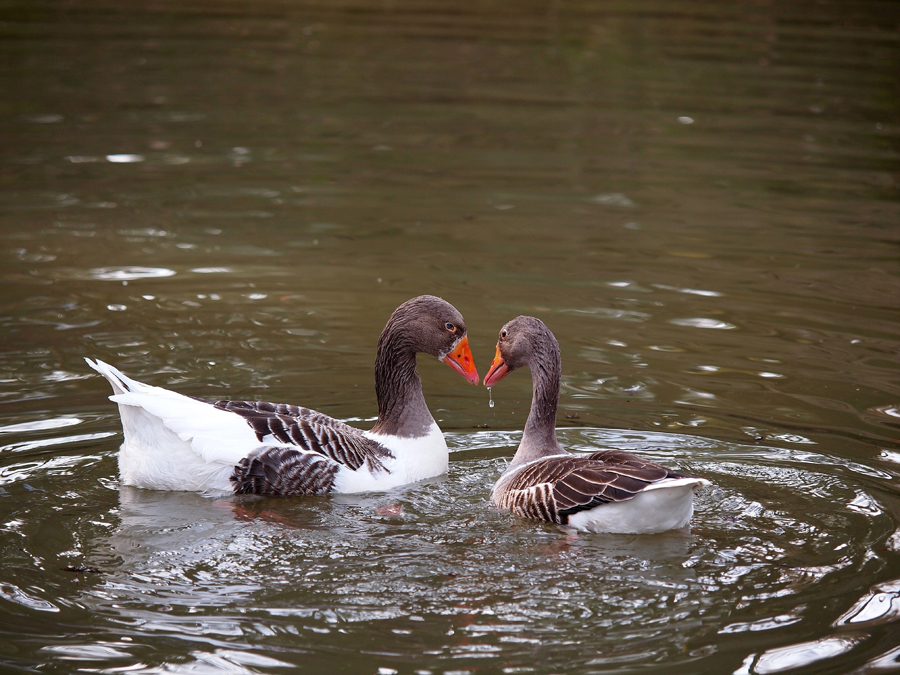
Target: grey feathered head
[{"x": 524, "y": 341}]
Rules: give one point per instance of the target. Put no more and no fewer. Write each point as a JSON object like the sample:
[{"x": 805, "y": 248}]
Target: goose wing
[
  {"x": 556, "y": 487},
  {"x": 309, "y": 431},
  {"x": 283, "y": 471}
]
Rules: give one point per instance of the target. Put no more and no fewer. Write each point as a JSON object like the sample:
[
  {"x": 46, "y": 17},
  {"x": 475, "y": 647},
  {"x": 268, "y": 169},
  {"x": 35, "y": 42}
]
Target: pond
[{"x": 229, "y": 199}]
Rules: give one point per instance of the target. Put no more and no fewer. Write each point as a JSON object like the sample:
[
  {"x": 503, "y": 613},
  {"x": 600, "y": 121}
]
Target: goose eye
[
  {"x": 449, "y": 326},
  {"x": 503, "y": 333}
]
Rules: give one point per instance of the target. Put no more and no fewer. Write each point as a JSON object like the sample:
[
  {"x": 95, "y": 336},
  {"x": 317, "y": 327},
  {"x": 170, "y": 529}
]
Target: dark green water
[{"x": 228, "y": 199}]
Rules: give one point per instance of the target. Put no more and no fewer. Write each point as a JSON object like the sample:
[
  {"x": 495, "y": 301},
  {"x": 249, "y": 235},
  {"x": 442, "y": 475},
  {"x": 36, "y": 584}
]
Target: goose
[
  {"x": 607, "y": 491},
  {"x": 177, "y": 442}
]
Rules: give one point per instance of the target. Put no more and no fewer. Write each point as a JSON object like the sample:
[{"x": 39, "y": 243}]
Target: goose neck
[
  {"x": 539, "y": 437},
  {"x": 401, "y": 404}
]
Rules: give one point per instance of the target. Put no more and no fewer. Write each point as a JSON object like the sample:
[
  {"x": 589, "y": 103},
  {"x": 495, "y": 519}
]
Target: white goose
[
  {"x": 606, "y": 491},
  {"x": 176, "y": 442}
]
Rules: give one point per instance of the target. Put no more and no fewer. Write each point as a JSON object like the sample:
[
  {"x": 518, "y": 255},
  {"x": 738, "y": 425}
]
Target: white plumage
[
  {"x": 667, "y": 505},
  {"x": 175, "y": 442}
]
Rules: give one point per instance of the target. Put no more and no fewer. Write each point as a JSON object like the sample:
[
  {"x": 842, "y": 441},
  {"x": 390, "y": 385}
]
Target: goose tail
[{"x": 120, "y": 382}]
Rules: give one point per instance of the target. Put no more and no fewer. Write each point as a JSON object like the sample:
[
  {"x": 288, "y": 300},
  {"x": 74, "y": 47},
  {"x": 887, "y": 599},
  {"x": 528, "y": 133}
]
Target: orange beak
[
  {"x": 460, "y": 359},
  {"x": 497, "y": 371}
]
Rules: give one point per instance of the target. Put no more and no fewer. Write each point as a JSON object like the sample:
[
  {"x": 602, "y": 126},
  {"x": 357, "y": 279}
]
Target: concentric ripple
[{"x": 433, "y": 577}]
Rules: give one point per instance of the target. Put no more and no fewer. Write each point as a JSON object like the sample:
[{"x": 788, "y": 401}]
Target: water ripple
[
  {"x": 797, "y": 655},
  {"x": 15, "y": 594},
  {"x": 40, "y": 425},
  {"x": 128, "y": 273},
  {"x": 880, "y": 605},
  {"x": 701, "y": 322}
]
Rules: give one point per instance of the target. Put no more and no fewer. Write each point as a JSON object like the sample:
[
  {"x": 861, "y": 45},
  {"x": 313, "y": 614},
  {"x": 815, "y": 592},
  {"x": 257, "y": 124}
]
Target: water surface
[{"x": 228, "y": 200}]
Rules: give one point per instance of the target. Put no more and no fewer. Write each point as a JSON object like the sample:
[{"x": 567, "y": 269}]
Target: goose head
[
  {"x": 431, "y": 325},
  {"x": 522, "y": 342}
]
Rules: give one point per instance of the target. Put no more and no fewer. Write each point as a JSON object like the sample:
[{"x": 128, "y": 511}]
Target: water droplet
[{"x": 490, "y": 398}]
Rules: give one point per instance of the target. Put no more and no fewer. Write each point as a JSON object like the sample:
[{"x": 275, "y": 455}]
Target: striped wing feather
[
  {"x": 310, "y": 431},
  {"x": 559, "y": 486},
  {"x": 283, "y": 471}
]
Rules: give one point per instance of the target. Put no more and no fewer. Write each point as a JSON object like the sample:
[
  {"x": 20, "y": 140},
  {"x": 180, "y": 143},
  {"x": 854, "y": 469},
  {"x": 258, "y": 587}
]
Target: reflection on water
[
  {"x": 700, "y": 200},
  {"x": 431, "y": 576}
]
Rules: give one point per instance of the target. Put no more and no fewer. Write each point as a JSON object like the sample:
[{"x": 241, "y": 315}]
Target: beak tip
[
  {"x": 496, "y": 372},
  {"x": 461, "y": 361}
]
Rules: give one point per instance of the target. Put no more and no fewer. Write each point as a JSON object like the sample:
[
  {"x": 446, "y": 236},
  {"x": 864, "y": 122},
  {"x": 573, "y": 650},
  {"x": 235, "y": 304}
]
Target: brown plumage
[
  {"x": 309, "y": 431},
  {"x": 557, "y": 487},
  {"x": 607, "y": 491}
]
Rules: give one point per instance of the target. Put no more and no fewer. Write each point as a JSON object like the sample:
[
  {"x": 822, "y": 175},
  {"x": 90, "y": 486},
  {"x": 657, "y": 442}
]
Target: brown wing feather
[
  {"x": 554, "y": 488},
  {"x": 627, "y": 464},
  {"x": 283, "y": 471},
  {"x": 310, "y": 431}
]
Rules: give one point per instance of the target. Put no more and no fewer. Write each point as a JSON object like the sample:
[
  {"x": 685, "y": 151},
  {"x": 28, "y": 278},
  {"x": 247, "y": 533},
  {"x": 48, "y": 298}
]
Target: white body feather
[
  {"x": 667, "y": 505},
  {"x": 414, "y": 459},
  {"x": 174, "y": 442}
]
